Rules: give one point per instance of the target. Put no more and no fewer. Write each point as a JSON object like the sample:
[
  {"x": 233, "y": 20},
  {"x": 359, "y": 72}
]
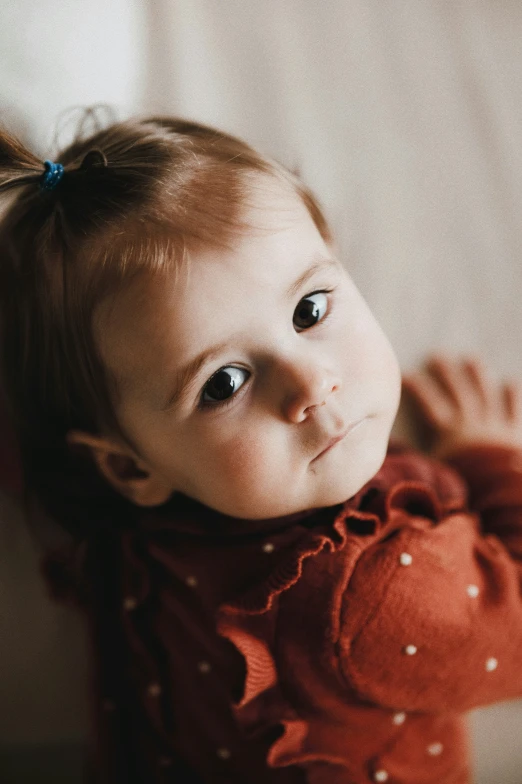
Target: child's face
[{"x": 293, "y": 370}]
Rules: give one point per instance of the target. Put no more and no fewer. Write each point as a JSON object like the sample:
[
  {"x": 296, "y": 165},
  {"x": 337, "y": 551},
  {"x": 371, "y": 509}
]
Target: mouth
[{"x": 333, "y": 441}]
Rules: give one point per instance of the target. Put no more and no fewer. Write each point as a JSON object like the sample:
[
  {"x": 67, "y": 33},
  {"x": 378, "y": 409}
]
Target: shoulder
[{"x": 431, "y": 617}]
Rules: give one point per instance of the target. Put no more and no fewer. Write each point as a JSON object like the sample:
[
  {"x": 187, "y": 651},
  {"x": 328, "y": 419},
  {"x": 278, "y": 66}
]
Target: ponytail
[{"x": 18, "y": 166}]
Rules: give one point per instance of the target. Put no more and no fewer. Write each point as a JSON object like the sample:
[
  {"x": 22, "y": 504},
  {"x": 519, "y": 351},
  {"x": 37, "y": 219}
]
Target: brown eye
[
  {"x": 310, "y": 310},
  {"x": 223, "y": 384}
]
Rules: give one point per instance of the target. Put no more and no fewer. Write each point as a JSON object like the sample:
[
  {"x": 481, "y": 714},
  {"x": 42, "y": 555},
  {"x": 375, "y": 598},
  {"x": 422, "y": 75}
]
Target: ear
[{"x": 122, "y": 469}]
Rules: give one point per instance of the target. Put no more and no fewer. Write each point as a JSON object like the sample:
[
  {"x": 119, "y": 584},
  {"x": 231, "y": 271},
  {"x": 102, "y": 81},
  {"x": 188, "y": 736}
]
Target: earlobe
[{"x": 122, "y": 470}]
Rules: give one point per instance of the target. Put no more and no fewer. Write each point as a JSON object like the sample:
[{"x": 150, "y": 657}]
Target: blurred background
[{"x": 405, "y": 118}]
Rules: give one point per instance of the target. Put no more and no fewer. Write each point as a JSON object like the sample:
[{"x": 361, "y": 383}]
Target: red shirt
[{"x": 339, "y": 646}]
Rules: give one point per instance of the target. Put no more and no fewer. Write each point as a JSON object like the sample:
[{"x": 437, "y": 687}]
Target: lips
[{"x": 335, "y": 440}]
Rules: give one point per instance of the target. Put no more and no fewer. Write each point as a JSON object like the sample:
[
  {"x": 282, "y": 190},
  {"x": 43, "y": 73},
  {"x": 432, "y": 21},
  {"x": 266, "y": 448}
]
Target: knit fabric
[{"x": 338, "y": 646}]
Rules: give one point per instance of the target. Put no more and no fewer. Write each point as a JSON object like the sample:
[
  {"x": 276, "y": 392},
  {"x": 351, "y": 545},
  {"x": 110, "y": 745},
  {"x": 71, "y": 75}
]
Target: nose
[{"x": 307, "y": 388}]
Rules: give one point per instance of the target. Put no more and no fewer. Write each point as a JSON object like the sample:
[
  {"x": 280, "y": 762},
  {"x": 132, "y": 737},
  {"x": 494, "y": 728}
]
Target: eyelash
[{"x": 222, "y": 405}]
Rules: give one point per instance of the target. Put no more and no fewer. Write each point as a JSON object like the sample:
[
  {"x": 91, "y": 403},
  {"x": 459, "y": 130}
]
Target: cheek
[
  {"x": 369, "y": 344},
  {"x": 365, "y": 353},
  {"x": 239, "y": 458},
  {"x": 372, "y": 363}
]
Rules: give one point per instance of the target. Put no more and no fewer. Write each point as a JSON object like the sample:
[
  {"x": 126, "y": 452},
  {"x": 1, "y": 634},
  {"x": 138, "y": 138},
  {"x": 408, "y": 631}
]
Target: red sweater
[{"x": 340, "y": 646}]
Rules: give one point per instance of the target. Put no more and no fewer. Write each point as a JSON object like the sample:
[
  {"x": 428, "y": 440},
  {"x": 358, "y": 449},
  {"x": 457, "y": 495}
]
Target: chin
[{"x": 352, "y": 480}]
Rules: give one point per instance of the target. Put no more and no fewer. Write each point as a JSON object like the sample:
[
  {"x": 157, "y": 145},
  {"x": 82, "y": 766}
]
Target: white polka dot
[
  {"x": 473, "y": 591},
  {"x": 491, "y": 664},
  {"x": 223, "y": 754},
  {"x": 204, "y": 666},
  {"x": 130, "y": 603},
  {"x": 165, "y": 762},
  {"x": 268, "y": 547},
  {"x": 192, "y": 581},
  {"x": 399, "y": 718},
  {"x": 405, "y": 559},
  {"x": 380, "y": 775},
  {"x": 154, "y": 690},
  {"x": 410, "y": 650},
  {"x": 434, "y": 749}
]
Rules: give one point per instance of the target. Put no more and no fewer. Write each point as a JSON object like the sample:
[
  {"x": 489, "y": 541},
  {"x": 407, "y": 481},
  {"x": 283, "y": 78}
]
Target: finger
[
  {"x": 431, "y": 400},
  {"x": 512, "y": 398},
  {"x": 452, "y": 378},
  {"x": 489, "y": 395}
]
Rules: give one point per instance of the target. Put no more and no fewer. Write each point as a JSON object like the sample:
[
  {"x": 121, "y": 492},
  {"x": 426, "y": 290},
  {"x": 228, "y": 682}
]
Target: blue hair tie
[{"x": 52, "y": 175}]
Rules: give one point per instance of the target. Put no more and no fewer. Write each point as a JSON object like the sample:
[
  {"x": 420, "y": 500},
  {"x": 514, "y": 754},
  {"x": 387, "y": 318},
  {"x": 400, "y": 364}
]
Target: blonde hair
[{"x": 134, "y": 196}]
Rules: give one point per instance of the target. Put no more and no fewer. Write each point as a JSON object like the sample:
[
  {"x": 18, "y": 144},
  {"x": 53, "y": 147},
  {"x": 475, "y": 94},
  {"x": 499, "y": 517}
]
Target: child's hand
[{"x": 462, "y": 404}]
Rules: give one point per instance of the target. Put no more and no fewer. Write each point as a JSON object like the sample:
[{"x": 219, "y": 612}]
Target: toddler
[{"x": 203, "y": 400}]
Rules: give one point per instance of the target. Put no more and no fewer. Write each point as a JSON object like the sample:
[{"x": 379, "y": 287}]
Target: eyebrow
[
  {"x": 189, "y": 371},
  {"x": 321, "y": 264}
]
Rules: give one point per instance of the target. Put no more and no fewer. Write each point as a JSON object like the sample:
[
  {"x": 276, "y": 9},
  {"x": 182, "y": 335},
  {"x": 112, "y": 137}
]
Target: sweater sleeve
[
  {"x": 431, "y": 617},
  {"x": 494, "y": 478}
]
